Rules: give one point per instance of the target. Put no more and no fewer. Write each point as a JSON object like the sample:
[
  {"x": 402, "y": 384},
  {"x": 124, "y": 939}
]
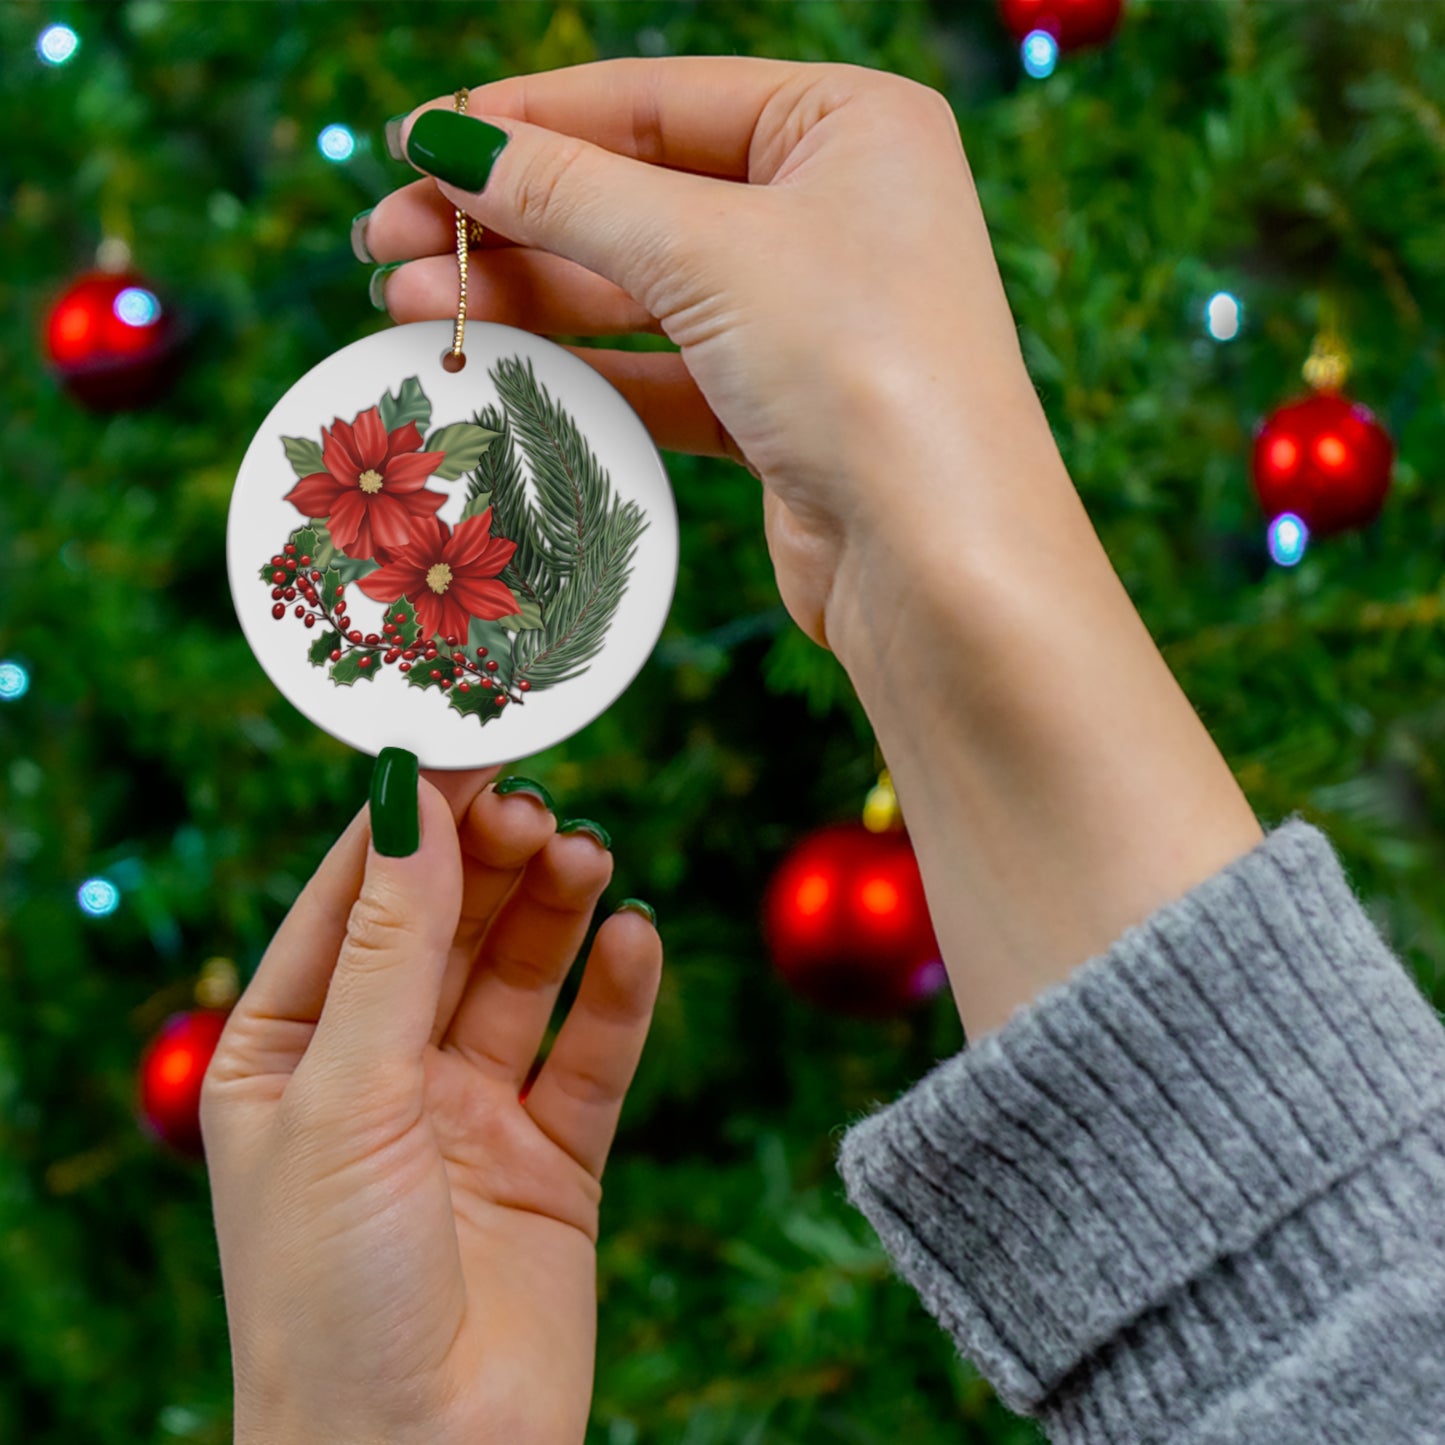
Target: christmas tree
[{"x": 162, "y": 804}]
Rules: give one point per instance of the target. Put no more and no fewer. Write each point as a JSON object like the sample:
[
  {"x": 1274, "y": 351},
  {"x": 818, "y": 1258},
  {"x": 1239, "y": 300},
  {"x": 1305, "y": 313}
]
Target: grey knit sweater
[{"x": 1196, "y": 1192}]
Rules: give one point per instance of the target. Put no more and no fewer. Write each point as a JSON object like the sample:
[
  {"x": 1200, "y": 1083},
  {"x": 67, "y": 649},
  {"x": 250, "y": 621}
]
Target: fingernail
[
  {"x": 359, "y": 247},
  {"x": 376, "y": 287},
  {"x": 393, "y": 136},
  {"x": 395, "y": 814},
  {"x": 455, "y": 148},
  {"x": 586, "y": 825},
  {"x": 528, "y": 786},
  {"x": 636, "y": 905}
]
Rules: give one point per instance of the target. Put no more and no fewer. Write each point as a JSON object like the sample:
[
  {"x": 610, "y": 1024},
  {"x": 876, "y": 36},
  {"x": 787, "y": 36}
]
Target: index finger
[{"x": 695, "y": 113}]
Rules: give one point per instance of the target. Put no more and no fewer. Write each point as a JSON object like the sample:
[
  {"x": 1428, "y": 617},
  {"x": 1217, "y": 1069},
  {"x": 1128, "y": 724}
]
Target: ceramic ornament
[{"x": 470, "y": 563}]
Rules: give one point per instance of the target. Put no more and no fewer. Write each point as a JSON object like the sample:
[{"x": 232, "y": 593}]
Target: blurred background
[{"x": 1190, "y": 202}]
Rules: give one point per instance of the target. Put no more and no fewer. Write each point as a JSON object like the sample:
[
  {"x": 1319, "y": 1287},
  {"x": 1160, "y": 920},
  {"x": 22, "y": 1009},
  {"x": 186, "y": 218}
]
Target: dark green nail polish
[
  {"x": 359, "y": 247},
  {"x": 526, "y": 785},
  {"x": 636, "y": 905},
  {"x": 455, "y": 148},
  {"x": 376, "y": 287},
  {"x": 395, "y": 820},
  {"x": 586, "y": 825},
  {"x": 393, "y": 136}
]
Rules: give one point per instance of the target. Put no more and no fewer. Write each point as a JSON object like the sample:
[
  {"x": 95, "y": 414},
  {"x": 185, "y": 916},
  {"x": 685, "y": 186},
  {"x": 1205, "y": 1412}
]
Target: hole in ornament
[{"x": 453, "y": 360}]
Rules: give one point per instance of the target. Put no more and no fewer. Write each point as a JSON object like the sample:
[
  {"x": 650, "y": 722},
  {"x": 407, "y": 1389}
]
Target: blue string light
[
  {"x": 14, "y": 681},
  {"x": 98, "y": 897},
  {"x": 1040, "y": 52},
  {"x": 336, "y": 143},
  {"x": 57, "y": 44},
  {"x": 1288, "y": 538},
  {"x": 1223, "y": 316}
]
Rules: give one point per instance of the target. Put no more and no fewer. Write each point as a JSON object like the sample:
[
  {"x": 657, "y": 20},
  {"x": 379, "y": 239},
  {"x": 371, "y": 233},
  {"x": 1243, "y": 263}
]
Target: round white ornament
[{"x": 470, "y": 564}]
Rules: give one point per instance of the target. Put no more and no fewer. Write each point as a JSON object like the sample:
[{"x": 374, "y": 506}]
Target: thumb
[
  {"x": 623, "y": 219},
  {"x": 382, "y": 999}
]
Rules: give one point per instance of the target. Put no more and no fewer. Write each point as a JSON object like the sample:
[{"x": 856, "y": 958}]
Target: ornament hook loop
[{"x": 468, "y": 230}]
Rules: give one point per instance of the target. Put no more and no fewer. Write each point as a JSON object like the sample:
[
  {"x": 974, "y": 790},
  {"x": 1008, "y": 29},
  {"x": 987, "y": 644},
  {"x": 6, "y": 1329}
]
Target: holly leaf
[
  {"x": 304, "y": 455},
  {"x": 325, "y": 548},
  {"x": 402, "y": 615},
  {"x": 421, "y": 672},
  {"x": 479, "y": 702},
  {"x": 493, "y": 636},
  {"x": 306, "y": 542},
  {"x": 409, "y": 404},
  {"x": 349, "y": 669},
  {"x": 529, "y": 619},
  {"x": 476, "y": 506},
  {"x": 464, "y": 443},
  {"x": 320, "y": 651},
  {"x": 326, "y": 587}
]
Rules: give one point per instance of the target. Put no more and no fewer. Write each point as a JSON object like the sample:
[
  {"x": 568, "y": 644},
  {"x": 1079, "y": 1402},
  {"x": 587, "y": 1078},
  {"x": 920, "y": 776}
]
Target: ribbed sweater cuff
[{"x": 1129, "y": 1156}]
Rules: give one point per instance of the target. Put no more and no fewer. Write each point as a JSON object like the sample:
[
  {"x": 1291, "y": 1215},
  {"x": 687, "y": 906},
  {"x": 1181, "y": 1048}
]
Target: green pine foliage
[{"x": 1282, "y": 152}]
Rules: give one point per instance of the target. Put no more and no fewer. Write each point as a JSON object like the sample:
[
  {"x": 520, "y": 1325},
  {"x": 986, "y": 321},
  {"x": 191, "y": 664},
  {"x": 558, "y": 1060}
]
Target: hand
[
  {"x": 841, "y": 303},
  {"x": 408, "y": 1247}
]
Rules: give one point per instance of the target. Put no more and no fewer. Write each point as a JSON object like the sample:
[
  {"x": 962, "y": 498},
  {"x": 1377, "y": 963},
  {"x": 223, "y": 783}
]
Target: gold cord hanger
[{"x": 468, "y": 230}]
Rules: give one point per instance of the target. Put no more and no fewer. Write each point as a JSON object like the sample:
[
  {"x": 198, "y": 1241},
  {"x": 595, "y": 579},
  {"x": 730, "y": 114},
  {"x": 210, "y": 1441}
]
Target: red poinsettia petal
[
  {"x": 470, "y": 539},
  {"x": 338, "y": 452},
  {"x": 348, "y": 516},
  {"x": 484, "y": 597},
  {"x": 314, "y": 496},
  {"x": 411, "y": 469},
  {"x": 422, "y": 504},
  {"x": 390, "y": 522},
  {"x": 428, "y": 536},
  {"x": 396, "y": 579},
  {"x": 498, "y": 553},
  {"x": 455, "y": 619},
  {"x": 370, "y": 439},
  {"x": 428, "y": 611},
  {"x": 404, "y": 439}
]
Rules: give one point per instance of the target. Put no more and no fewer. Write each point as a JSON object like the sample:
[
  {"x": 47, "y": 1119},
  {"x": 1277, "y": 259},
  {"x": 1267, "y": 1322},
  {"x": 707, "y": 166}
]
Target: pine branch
[
  {"x": 572, "y": 487},
  {"x": 582, "y": 610},
  {"x": 500, "y": 473}
]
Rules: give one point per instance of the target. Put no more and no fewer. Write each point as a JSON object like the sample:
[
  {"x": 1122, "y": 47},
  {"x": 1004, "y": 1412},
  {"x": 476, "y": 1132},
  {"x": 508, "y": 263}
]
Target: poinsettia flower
[
  {"x": 372, "y": 491},
  {"x": 448, "y": 576}
]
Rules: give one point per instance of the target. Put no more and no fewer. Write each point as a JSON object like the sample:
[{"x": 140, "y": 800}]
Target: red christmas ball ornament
[
  {"x": 111, "y": 341},
  {"x": 171, "y": 1071},
  {"x": 1073, "y": 23},
  {"x": 847, "y": 924},
  {"x": 1326, "y": 459}
]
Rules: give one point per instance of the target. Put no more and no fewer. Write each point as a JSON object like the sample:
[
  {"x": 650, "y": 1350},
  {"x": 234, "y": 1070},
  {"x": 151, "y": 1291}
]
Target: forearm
[{"x": 1056, "y": 782}]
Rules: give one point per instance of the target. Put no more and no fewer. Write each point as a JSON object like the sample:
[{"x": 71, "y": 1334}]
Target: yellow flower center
[
  {"x": 370, "y": 482},
  {"x": 439, "y": 577}
]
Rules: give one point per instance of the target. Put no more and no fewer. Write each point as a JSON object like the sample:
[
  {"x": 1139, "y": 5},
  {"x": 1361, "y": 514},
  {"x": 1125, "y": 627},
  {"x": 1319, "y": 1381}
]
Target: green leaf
[
  {"x": 349, "y": 569},
  {"x": 409, "y": 404},
  {"x": 477, "y": 701},
  {"x": 304, "y": 455},
  {"x": 529, "y": 619},
  {"x": 325, "y": 547},
  {"x": 464, "y": 444},
  {"x": 494, "y": 637},
  {"x": 402, "y": 615},
  {"x": 478, "y": 504},
  {"x": 320, "y": 651},
  {"x": 350, "y": 670},
  {"x": 421, "y": 672},
  {"x": 306, "y": 541}
]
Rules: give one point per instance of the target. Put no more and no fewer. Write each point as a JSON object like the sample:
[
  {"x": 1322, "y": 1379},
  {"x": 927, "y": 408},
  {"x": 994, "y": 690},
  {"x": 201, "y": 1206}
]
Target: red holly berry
[
  {"x": 446, "y": 683},
  {"x": 465, "y": 687},
  {"x": 401, "y": 616},
  {"x": 315, "y": 576},
  {"x": 372, "y": 639},
  {"x": 431, "y": 653},
  {"x": 501, "y": 699},
  {"x": 289, "y": 549},
  {"x": 492, "y": 663},
  {"x": 481, "y": 652},
  {"x": 306, "y": 561},
  {"x": 277, "y": 594},
  {"x": 391, "y": 656},
  {"x": 387, "y": 628},
  {"x": 289, "y": 594},
  {"x": 404, "y": 667},
  {"x": 279, "y": 610},
  {"x": 459, "y": 657},
  {"x": 291, "y": 563},
  {"x": 524, "y": 685},
  {"x": 336, "y": 654},
  {"x": 310, "y": 619},
  {"x": 341, "y": 591},
  {"x": 436, "y": 672},
  {"x": 363, "y": 661},
  {"x": 300, "y": 608},
  {"x": 354, "y": 636},
  {"x": 486, "y": 681},
  {"x": 451, "y": 640},
  {"x": 277, "y": 560},
  {"x": 278, "y": 575},
  {"x": 410, "y": 654},
  {"x": 343, "y": 621}
]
